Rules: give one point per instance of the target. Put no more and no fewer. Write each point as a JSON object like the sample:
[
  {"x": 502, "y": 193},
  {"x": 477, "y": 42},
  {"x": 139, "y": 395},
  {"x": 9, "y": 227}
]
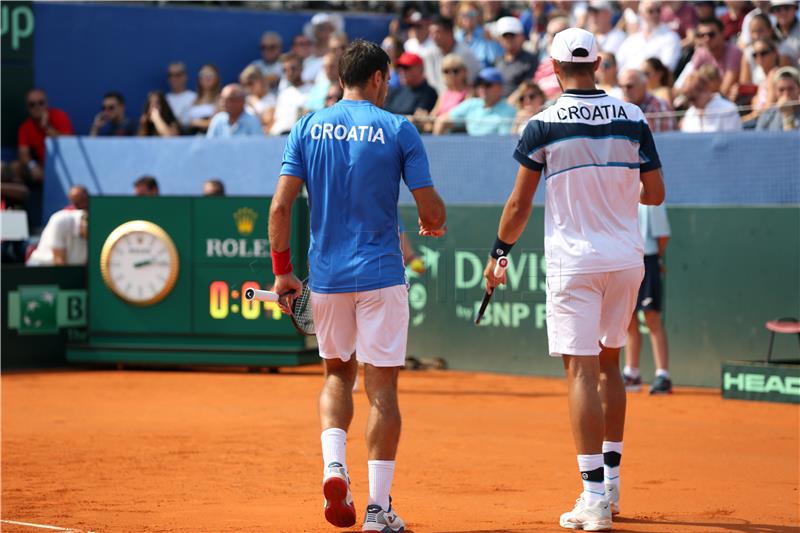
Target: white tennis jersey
[{"x": 591, "y": 148}]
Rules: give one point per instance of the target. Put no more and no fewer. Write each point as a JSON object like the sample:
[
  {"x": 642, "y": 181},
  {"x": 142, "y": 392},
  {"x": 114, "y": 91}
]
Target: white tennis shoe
[
  {"x": 595, "y": 517},
  {"x": 339, "y": 508},
  {"x": 376, "y": 519},
  {"x": 612, "y": 495}
]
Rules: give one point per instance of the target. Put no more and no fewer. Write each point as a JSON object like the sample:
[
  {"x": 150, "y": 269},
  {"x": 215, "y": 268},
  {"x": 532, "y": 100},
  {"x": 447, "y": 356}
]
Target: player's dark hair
[
  {"x": 576, "y": 69},
  {"x": 360, "y": 61},
  {"x": 712, "y": 20},
  {"x": 444, "y": 22},
  {"x": 146, "y": 181}
]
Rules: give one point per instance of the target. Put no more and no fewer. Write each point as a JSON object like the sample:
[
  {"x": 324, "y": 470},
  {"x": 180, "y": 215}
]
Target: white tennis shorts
[
  {"x": 374, "y": 324},
  {"x": 584, "y": 310}
]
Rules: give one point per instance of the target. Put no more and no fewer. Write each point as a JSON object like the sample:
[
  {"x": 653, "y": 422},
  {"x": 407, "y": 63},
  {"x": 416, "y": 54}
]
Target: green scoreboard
[{"x": 166, "y": 282}]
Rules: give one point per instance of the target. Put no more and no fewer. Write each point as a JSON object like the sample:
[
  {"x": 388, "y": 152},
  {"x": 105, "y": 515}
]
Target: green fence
[{"x": 729, "y": 269}]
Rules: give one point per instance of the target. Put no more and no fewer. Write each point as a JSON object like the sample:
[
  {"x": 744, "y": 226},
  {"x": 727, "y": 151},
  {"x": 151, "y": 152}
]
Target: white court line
[{"x": 40, "y": 526}]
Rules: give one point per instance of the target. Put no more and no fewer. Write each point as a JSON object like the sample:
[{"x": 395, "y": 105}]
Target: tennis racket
[
  {"x": 301, "y": 316},
  {"x": 499, "y": 268}
]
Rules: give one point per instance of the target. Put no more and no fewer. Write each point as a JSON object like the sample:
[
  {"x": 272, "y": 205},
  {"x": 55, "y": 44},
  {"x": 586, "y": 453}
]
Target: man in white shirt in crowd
[
  {"x": 709, "y": 111},
  {"x": 179, "y": 97},
  {"x": 654, "y": 39},
  {"x": 234, "y": 121},
  {"x": 292, "y": 98},
  {"x": 598, "y": 17},
  {"x": 269, "y": 64},
  {"x": 63, "y": 240},
  {"x": 445, "y": 43}
]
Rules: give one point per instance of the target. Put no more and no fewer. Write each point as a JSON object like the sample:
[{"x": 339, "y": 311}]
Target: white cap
[
  {"x": 600, "y": 5},
  {"x": 566, "y": 43},
  {"x": 776, "y": 3},
  {"x": 508, "y": 25}
]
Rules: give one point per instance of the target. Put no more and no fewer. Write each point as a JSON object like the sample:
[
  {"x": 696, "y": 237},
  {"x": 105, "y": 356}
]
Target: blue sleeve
[
  {"x": 459, "y": 112},
  {"x": 255, "y": 126},
  {"x": 530, "y": 148},
  {"x": 293, "y": 154},
  {"x": 416, "y": 172},
  {"x": 212, "y": 127},
  {"x": 648, "y": 156}
]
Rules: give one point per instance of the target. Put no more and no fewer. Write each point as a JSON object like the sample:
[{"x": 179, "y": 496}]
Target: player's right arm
[
  {"x": 515, "y": 217},
  {"x": 652, "y": 190}
]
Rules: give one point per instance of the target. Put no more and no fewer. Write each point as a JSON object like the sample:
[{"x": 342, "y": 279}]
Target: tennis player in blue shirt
[{"x": 352, "y": 157}]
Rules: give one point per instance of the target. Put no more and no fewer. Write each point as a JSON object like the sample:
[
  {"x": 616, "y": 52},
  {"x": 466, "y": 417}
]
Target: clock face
[{"x": 139, "y": 262}]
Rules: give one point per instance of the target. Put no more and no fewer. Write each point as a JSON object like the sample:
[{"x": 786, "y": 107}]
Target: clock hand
[{"x": 142, "y": 263}]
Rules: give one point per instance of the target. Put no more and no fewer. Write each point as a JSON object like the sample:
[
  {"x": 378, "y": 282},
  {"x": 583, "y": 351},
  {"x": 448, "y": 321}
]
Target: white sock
[
  {"x": 591, "y": 467},
  {"x": 612, "y": 454},
  {"x": 380, "y": 482},
  {"x": 631, "y": 372},
  {"x": 662, "y": 373},
  {"x": 333, "y": 446}
]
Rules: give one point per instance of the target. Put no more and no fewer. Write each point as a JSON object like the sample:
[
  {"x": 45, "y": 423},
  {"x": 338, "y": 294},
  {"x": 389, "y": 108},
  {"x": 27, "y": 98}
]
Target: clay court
[{"x": 136, "y": 451}]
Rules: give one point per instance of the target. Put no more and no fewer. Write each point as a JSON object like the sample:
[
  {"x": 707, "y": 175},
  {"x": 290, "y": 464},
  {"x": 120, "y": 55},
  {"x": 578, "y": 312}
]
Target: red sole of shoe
[{"x": 338, "y": 512}]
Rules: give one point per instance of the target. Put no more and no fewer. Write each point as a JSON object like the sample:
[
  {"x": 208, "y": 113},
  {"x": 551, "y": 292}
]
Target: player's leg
[
  {"x": 619, "y": 301},
  {"x": 382, "y": 317},
  {"x": 574, "y": 304},
  {"x": 334, "y": 318},
  {"x": 633, "y": 348}
]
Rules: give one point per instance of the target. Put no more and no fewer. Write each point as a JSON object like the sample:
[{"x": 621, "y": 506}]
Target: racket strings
[{"x": 301, "y": 311}]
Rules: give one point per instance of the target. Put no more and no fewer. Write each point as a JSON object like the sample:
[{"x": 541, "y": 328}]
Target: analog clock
[{"x": 139, "y": 262}]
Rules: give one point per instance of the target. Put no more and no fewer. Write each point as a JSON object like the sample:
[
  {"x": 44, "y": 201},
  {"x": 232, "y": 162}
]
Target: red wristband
[{"x": 281, "y": 262}]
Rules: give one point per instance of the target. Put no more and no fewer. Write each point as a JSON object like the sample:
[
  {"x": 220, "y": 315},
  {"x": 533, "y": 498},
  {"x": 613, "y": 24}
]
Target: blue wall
[
  {"x": 82, "y": 51},
  {"x": 750, "y": 168}
]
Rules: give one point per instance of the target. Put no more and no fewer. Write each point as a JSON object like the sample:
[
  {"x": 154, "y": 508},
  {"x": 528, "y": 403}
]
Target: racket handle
[
  {"x": 260, "y": 295},
  {"x": 499, "y": 268}
]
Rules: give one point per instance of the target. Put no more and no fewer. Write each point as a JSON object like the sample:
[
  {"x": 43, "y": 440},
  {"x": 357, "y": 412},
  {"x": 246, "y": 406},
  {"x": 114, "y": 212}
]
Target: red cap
[{"x": 407, "y": 59}]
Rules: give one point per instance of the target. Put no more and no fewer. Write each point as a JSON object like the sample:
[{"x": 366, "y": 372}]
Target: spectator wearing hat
[
  {"x": 414, "y": 96},
  {"x": 487, "y": 114},
  {"x": 444, "y": 43},
  {"x": 787, "y": 27},
  {"x": 470, "y": 31},
  {"x": 233, "y": 121},
  {"x": 709, "y": 111},
  {"x": 319, "y": 30},
  {"x": 653, "y": 39},
  {"x": 598, "y": 19},
  {"x": 784, "y": 116},
  {"x": 516, "y": 65}
]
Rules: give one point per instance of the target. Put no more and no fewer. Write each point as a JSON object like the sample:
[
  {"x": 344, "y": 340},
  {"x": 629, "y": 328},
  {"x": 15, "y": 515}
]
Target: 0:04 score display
[{"x": 224, "y": 300}]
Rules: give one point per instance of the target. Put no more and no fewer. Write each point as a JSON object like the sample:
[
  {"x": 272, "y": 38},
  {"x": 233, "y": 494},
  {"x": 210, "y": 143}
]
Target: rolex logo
[{"x": 245, "y": 220}]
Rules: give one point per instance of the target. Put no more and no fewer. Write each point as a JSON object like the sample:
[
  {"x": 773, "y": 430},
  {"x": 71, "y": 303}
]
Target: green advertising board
[
  {"x": 43, "y": 309},
  {"x": 761, "y": 381},
  {"x": 220, "y": 248},
  {"x": 728, "y": 270}
]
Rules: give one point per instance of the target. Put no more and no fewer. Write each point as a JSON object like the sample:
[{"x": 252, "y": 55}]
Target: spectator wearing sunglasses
[
  {"x": 470, "y": 31},
  {"x": 488, "y": 114},
  {"x": 111, "y": 120},
  {"x": 179, "y": 97},
  {"x": 765, "y": 55},
  {"x": 43, "y": 122},
  {"x": 269, "y": 63},
  {"x": 712, "y": 48},
  {"x": 653, "y": 39},
  {"x": 455, "y": 79},
  {"x": 528, "y": 98},
  {"x": 787, "y": 27},
  {"x": 516, "y": 65}
]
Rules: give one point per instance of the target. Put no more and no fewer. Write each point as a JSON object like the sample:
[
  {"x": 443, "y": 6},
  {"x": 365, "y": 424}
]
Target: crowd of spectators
[{"x": 475, "y": 66}]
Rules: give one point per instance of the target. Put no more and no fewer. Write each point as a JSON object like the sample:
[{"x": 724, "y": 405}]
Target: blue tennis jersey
[{"x": 351, "y": 157}]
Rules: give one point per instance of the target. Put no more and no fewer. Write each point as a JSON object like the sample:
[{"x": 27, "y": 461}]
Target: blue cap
[{"x": 490, "y": 75}]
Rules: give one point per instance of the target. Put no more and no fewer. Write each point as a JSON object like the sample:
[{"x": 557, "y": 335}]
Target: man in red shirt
[{"x": 43, "y": 122}]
